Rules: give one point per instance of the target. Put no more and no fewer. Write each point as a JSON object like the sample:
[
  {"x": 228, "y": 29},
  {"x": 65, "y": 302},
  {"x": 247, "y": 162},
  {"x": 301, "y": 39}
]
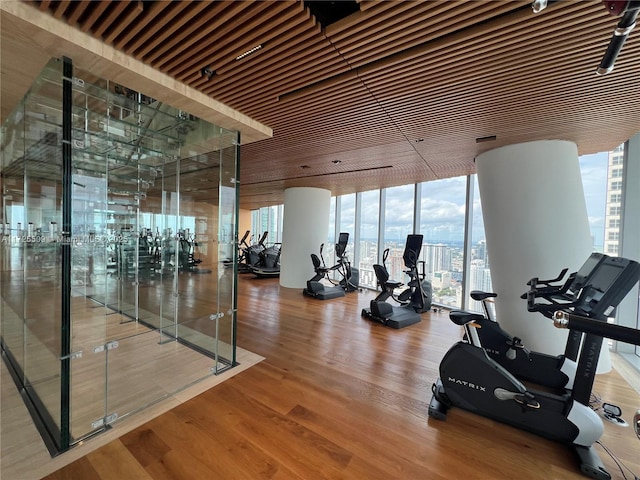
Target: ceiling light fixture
[
  {"x": 336, "y": 162},
  {"x": 490, "y": 138},
  {"x": 538, "y": 5},
  {"x": 629, "y": 11},
  {"x": 207, "y": 72},
  {"x": 249, "y": 52}
]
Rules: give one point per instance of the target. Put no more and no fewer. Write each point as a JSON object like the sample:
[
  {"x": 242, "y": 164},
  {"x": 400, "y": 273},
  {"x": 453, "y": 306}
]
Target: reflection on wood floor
[{"x": 339, "y": 397}]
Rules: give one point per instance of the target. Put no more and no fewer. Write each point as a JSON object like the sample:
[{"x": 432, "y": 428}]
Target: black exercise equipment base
[
  {"x": 327, "y": 294},
  {"x": 397, "y": 320}
]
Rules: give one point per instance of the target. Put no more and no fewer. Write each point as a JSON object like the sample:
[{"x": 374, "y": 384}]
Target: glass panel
[
  {"x": 398, "y": 223},
  {"x": 347, "y": 221},
  {"x": 169, "y": 255},
  {"x": 226, "y": 322},
  {"x": 153, "y": 203},
  {"x": 12, "y": 217},
  {"x": 329, "y": 251},
  {"x": 593, "y": 169},
  {"x": 89, "y": 255},
  {"x": 480, "y": 274},
  {"x": 368, "y": 251},
  {"x": 41, "y": 252},
  {"x": 143, "y": 370},
  {"x": 442, "y": 213},
  {"x": 613, "y": 212},
  {"x": 255, "y": 225},
  {"x": 198, "y": 186}
]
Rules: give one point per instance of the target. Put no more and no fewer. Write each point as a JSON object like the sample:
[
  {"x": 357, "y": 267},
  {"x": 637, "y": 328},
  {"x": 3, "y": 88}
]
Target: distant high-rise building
[
  {"x": 441, "y": 280},
  {"x": 437, "y": 257},
  {"x": 613, "y": 210}
]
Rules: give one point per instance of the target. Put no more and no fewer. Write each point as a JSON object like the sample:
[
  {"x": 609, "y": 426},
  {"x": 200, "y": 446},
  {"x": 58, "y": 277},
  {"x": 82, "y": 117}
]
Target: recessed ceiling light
[
  {"x": 248, "y": 52},
  {"x": 490, "y": 138},
  {"x": 336, "y": 161}
]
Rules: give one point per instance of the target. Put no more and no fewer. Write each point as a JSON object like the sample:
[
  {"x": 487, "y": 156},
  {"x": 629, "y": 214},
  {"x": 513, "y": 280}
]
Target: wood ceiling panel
[
  {"x": 218, "y": 34},
  {"x": 122, "y": 25},
  {"x": 158, "y": 18},
  {"x": 177, "y": 29},
  {"x": 257, "y": 34},
  {"x": 132, "y": 29},
  {"x": 365, "y": 88},
  {"x": 98, "y": 10}
]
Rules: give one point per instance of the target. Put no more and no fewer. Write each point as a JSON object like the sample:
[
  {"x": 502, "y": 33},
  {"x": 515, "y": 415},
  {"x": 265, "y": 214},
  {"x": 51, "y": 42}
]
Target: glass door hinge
[
  {"x": 107, "y": 346},
  {"x": 104, "y": 421},
  {"x": 72, "y": 355}
]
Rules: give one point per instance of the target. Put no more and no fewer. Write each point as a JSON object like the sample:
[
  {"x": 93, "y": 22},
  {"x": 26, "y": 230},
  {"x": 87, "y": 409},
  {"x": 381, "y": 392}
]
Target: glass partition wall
[{"x": 115, "y": 211}]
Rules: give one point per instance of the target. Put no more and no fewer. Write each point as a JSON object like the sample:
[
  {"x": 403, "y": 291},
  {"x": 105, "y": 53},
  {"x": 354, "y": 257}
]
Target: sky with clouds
[{"x": 442, "y": 219}]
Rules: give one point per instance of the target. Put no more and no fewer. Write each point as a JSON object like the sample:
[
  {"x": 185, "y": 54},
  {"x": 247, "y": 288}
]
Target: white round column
[
  {"x": 536, "y": 224},
  {"x": 305, "y": 226}
]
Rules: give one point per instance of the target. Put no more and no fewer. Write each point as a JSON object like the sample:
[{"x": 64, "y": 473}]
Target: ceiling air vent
[{"x": 330, "y": 12}]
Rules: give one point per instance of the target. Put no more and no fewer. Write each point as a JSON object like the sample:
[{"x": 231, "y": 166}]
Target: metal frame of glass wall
[{"x": 118, "y": 212}]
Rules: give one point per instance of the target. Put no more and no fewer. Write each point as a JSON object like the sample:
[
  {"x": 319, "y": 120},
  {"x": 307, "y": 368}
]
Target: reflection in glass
[{"x": 148, "y": 308}]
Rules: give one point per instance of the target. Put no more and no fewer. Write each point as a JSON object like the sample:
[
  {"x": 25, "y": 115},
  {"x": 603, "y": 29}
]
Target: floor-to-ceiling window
[
  {"x": 593, "y": 170},
  {"x": 368, "y": 251},
  {"x": 385, "y": 217},
  {"x": 479, "y": 264},
  {"x": 267, "y": 219},
  {"x": 346, "y": 221},
  {"x": 398, "y": 223},
  {"x": 442, "y": 221}
]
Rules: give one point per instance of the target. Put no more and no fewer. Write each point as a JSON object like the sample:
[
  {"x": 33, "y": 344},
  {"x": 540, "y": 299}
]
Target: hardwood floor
[{"x": 339, "y": 397}]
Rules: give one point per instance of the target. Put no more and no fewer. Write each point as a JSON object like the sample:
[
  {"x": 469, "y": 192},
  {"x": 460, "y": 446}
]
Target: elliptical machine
[
  {"x": 252, "y": 254},
  {"x": 555, "y": 371},
  {"x": 471, "y": 380},
  {"x": 413, "y": 301},
  {"x": 268, "y": 265},
  {"x": 243, "y": 247},
  {"x": 315, "y": 288},
  {"x": 350, "y": 275}
]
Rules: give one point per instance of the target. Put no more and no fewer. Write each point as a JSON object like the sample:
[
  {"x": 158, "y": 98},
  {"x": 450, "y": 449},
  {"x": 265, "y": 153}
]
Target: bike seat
[
  {"x": 460, "y": 317},
  {"x": 392, "y": 284},
  {"x": 478, "y": 295}
]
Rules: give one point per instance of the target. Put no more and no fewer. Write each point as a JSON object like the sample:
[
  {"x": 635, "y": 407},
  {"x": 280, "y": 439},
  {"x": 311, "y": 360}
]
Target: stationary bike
[
  {"x": 555, "y": 371},
  {"x": 472, "y": 380}
]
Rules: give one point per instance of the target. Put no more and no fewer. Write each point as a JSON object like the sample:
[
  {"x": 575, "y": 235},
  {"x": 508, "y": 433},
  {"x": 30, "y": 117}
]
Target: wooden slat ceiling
[{"x": 398, "y": 91}]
